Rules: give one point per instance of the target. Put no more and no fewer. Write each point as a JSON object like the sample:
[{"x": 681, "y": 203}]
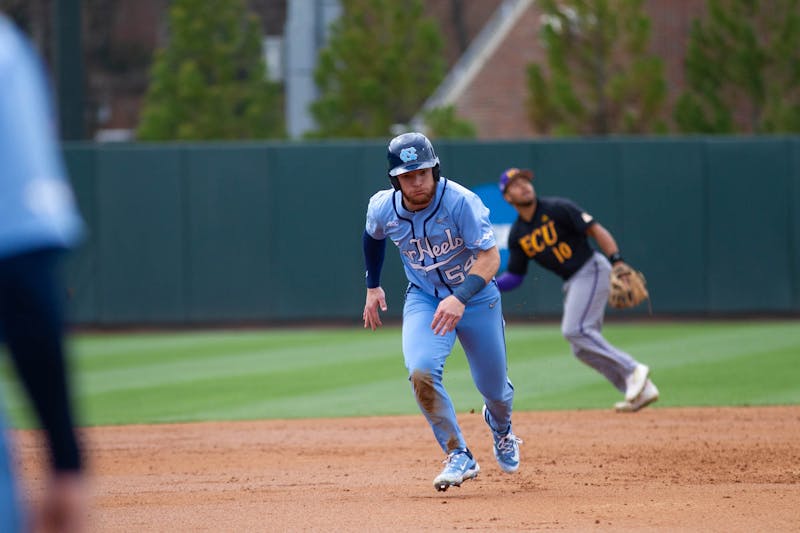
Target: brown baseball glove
[{"x": 628, "y": 287}]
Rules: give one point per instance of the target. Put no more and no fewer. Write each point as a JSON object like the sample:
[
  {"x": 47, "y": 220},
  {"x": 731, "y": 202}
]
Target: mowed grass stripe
[
  {"x": 771, "y": 380},
  {"x": 109, "y": 351},
  {"x": 290, "y": 373},
  {"x": 695, "y": 343},
  {"x": 193, "y": 399},
  {"x": 178, "y": 368},
  {"x": 692, "y": 364}
]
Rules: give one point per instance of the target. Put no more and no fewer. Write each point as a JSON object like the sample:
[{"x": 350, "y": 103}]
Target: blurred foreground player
[{"x": 38, "y": 221}]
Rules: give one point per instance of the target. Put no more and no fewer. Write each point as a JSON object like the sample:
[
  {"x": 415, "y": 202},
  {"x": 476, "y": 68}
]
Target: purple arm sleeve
[
  {"x": 508, "y": 281},
  {"x": 374, "y": 252}
]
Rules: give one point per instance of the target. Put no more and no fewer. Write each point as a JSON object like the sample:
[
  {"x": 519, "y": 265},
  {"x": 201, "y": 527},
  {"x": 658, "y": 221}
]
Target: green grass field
[{"x": 298, "y": 373}]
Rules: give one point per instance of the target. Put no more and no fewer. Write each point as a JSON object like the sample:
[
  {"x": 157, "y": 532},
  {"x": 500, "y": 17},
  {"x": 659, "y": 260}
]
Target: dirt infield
[{"x": 663, "y": 469}]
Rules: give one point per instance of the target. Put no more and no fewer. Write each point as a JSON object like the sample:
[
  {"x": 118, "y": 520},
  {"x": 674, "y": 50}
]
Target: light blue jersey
[
  {"x": 439, "y": 244},
  {"x": 37, "y": 209}
]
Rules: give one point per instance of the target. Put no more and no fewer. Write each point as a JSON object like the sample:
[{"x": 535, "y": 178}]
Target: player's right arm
[
  {"x": 374, "y": 252},
  {"x": 374, "y": 246}
]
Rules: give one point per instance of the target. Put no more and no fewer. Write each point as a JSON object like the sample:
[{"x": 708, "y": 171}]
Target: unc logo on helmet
[
  {"x": 410, "y": 151},
  {"x": 408, "y": 154}
]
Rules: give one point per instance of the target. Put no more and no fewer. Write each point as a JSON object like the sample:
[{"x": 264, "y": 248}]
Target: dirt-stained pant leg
[
  {"x": 586, "y": 294},
  {"x": 425, "y": 354}
]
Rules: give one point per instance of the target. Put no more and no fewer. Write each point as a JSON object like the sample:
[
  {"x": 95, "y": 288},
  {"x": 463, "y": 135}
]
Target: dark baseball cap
[{"x": 512, "y": 174}]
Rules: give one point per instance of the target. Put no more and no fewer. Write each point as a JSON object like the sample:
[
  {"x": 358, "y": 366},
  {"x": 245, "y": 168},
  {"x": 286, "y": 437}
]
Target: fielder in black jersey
[{"x": 555, "y": 233}]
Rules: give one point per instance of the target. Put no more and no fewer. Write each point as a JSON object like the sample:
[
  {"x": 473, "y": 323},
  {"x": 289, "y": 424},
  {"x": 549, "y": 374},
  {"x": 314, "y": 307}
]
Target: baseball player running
[
  {"x": 554, "y": 232},
  {"x": 38, "y": 220},
  {"x": 450, "y": 257}
]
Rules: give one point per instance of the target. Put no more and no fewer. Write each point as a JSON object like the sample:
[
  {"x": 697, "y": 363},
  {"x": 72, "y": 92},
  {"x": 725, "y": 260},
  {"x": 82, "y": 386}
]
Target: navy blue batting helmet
[{"x": 410, "y": 151}]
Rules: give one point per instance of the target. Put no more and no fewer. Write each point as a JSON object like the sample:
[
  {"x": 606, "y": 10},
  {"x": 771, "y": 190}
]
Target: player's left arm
[
  {"x": 476, "y": 229},
  {"x": 451, "y": 309},
  {"x": 605, "y": 241},
  {"x": 486, "y": 264}
]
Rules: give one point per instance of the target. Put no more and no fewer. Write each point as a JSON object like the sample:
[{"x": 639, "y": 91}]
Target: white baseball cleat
[
  {"x": 459, "y": 467},
  {"x": 635, "y": 382},
  {"x": 648, "y": 395},
  {"x": 506, "y": 446}
]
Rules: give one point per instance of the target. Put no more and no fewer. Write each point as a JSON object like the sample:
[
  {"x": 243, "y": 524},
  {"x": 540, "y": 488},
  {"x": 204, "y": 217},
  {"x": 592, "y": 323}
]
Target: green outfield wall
[{"x": 251, "y": 232}]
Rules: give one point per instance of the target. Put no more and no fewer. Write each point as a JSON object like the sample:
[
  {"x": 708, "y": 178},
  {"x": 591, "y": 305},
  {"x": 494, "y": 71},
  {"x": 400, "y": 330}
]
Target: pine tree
[
  {"x": 599, "y": 78},
  {"x": 210, "y": 81},
  {"x": 743, "y": 69},
  {"x": 383, "y": 59}
]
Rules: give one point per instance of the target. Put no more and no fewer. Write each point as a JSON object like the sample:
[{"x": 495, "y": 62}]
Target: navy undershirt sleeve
[{"x": 374, "y": 252}]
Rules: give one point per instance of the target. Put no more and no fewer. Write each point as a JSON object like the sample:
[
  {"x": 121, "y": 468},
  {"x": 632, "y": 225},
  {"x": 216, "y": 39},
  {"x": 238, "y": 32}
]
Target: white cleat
[
  {"x": 506, "y": 447},
  {"x": 635, "y": 382},
  {"x": 648, "y": 395},
  {"x": 460, "y": 466}
]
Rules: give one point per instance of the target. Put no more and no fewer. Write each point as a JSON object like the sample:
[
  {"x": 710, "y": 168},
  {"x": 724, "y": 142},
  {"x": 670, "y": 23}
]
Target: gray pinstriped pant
[{"x": 585, "y": 298}]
